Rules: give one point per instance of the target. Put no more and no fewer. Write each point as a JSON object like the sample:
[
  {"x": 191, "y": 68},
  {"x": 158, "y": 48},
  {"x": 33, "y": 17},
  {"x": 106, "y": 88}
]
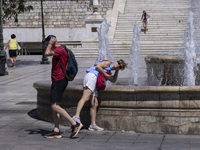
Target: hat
[{"x": 48, "y": 38}]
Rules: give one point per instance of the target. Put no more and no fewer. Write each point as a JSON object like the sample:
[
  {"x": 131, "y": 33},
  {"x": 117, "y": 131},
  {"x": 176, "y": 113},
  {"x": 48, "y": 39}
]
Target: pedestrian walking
[
  {"x": 13, "y": 49},
  {"x": 90, "y": 91},
  {"x": 59, "y": 83},
  {"x": 144, "y": 18}
]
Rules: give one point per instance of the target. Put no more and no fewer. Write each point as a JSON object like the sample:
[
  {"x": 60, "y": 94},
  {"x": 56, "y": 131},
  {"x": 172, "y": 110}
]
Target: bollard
[{"x": 2, "y": 63}]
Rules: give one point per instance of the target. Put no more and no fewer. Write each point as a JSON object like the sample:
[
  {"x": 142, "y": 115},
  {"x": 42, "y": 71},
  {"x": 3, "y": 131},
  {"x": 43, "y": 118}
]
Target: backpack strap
[
  {"x": 61, "y": 66},
  {"x": 64, "y": 71},
  {"x": 67, "y": 58}
]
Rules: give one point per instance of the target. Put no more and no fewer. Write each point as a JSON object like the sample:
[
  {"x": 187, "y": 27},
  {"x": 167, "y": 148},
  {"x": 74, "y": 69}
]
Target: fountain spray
[
  {"x": 190, "y": 54},
  {"x": 134, "y": 55},
  {"x": 103, "y": 47}
]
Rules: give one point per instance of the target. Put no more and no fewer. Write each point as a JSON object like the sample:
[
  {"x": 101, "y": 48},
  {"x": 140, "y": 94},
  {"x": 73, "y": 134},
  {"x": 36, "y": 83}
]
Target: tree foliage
[{"x": 11, "y": 8}]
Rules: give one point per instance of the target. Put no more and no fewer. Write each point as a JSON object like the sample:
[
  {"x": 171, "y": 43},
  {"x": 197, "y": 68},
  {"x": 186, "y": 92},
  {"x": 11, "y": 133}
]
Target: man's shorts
[
  {"x": 13, "y": 53},
  {"x": 57, "y": 90},
  {"x": 89, "y": 81}
]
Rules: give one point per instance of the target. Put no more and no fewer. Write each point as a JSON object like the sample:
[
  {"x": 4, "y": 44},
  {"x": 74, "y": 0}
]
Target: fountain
[
  {"x": 190, "y": 54},
  {"x": 175, "y": 69},
  {"x": 166, "y": 105},
  {"x": 103, "y": 47},
  {"x": 134, "y": 55}
]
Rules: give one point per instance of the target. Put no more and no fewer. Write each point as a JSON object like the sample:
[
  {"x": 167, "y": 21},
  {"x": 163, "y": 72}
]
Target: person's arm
[
  {"x": 18, "y": 46},
  {"x": 141, "y": 17},
  {"x": 148, "y": 16},
  {"x": 114, "y": 78},
  {"x": 7, "y": 45},
  {"x": 48, "y": 51},
  {"x": 101, "y": 66}
]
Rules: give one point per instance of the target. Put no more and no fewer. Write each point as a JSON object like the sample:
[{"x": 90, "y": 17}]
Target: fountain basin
[
  {"x": 168, "y": 70},
  {"x": 146, "y": 109}
]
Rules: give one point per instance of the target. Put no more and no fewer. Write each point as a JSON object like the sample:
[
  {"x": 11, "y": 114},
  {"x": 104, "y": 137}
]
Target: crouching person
[{"x": 59, "y": 83}]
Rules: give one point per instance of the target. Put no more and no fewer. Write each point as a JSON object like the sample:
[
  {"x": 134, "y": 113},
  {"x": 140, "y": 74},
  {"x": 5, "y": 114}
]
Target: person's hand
[
  {"x": 52, "y": 41},
  {"x": 107, "y": 77}
]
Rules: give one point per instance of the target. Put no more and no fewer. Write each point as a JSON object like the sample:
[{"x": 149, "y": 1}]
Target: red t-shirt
[{"x": 57, "y": 72}]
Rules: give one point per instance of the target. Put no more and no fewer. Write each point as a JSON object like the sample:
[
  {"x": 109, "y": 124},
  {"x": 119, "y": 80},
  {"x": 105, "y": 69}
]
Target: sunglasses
[{"x": 120, "y": 67}]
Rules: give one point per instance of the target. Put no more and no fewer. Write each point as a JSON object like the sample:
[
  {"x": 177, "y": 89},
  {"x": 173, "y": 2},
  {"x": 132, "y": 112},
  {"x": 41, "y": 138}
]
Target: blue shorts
[{"x": 144, "y": 21}]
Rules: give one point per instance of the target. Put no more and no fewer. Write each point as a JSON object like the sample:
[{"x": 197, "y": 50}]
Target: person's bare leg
[
  {"x": 85, "y": 97},
  {"x": 93, "y": 109},
  {"x": 14, "y": 60},
  {"x": 56, "y": 108},
  {"x": 56, "y": 117},
  {"x": 146, "y": 27}
]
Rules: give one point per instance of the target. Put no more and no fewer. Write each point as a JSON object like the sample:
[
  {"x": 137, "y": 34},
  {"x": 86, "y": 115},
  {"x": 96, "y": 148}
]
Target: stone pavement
[{"x": 21, "y": 130}]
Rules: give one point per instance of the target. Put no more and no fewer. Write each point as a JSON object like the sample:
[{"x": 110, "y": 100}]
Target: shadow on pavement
[
  {"x": 33, "y": 114},
  {"x": 42, "y": 132},
  {"x": 23, "y": 63}
]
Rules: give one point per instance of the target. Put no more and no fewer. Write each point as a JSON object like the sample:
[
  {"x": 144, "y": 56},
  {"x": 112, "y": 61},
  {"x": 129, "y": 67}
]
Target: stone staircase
[
  {"x": 166, "y": 27},
  {"x": 167, "y": 24}
]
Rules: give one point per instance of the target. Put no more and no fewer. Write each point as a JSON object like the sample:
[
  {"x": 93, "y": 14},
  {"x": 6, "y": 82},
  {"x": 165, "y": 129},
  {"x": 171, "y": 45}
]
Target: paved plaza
[{"x": 21, "y": 130}]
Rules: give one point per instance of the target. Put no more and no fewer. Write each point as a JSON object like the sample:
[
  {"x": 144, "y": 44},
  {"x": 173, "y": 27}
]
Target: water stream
[
  {"x": 134, "y": 55},
  {"x": 190, "y": 53},
  {"x": 103, "y": 47}
]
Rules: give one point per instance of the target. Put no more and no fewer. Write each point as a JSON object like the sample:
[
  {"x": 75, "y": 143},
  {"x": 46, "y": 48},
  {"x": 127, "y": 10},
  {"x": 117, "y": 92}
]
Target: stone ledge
[{"x": 153, "y": 109}]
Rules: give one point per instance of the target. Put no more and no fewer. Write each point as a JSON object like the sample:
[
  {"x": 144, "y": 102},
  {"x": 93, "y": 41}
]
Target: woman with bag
[{"x": 90, "y": 87}]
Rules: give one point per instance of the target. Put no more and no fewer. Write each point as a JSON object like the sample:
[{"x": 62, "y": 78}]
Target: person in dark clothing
[
  {"x": 144, "y": 18},
  {"x": 59, "y": 83}
]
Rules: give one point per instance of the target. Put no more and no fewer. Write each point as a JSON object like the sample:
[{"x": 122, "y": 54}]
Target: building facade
[{"x": 64, "y": 18}]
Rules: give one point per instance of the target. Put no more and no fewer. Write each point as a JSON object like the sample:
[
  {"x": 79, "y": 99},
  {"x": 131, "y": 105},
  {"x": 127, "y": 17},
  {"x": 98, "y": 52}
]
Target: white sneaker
[
  {"x": 94, "y": 127},
  {"x": 77, "y": 119}
]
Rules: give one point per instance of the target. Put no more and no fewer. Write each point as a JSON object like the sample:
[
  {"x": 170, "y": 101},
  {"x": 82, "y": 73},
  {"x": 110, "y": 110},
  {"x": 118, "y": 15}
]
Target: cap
[{"x": 49, "y": 37}]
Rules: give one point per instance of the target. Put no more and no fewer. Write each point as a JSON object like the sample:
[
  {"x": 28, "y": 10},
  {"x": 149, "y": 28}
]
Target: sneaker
[
  {"x": 76, "y": 129},
  {"x": 94, "y": 127},
  {"x": 53, "y": 135},
  {"x": 77, "y": 119}
]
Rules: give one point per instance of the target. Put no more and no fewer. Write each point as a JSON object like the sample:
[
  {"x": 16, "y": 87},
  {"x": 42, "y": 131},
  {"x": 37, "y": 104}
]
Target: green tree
[{"x": 11, "y": 8}]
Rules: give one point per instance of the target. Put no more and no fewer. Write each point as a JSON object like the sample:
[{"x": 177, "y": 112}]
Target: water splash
[
  {"x": 134, "y": 55},
  {"x": 103, "y": 47},
  {"x": 195, "y": 5},
  {"x": 190, "y": 54}
]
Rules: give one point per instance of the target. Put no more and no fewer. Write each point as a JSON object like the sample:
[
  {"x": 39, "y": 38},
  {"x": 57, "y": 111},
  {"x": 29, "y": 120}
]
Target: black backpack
[{"x": 72, "y": 65}]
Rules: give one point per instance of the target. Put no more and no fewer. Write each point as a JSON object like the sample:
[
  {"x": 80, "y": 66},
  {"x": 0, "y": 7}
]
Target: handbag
[{"x": 101, "y": 83}]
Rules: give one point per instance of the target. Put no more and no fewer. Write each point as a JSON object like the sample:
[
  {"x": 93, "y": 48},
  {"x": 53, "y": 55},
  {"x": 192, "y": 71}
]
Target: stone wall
[
  {"x": 58, "y": 14},
  {"x": 147, "y": 109},
  {"x": 64, "y": 18}
]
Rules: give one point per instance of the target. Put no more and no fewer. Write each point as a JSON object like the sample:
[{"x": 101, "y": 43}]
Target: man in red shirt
[{"x": 59, "y": 83}]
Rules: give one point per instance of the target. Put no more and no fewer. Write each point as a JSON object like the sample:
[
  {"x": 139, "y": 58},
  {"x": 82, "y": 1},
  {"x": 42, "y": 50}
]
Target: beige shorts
[{"x": 89, "y": 81}]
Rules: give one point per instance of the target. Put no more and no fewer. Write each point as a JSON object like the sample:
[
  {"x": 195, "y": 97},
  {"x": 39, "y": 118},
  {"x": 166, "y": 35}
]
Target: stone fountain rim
[{"x": 122, "y": 88}]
